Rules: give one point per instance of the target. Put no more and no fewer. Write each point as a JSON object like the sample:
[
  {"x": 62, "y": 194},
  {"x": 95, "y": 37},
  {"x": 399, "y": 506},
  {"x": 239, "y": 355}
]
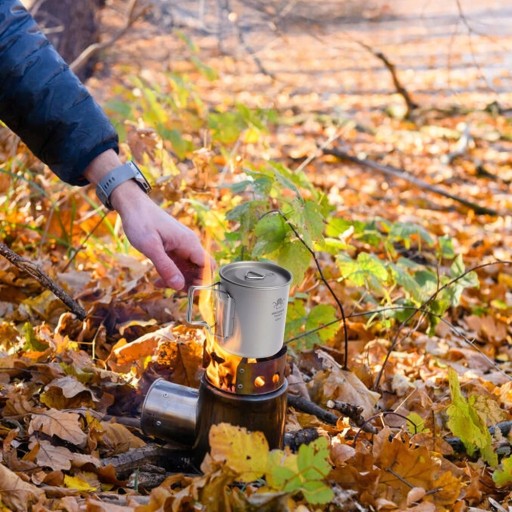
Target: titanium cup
[{"x": 250, "y": 303}]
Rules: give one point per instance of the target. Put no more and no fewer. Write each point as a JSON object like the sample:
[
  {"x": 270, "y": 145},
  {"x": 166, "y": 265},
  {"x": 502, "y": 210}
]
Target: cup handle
[{"x": 191, "y": 292}]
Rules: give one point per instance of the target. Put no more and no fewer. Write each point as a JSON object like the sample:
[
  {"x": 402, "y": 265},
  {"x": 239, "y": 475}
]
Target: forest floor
[{"x": 424, "y": 189}]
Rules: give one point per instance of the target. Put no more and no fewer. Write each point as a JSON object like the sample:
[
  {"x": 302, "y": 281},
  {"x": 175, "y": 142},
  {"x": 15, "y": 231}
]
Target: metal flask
[{"x": 249, "y": 303}]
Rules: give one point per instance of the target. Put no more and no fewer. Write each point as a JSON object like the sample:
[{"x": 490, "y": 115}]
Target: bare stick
[
  {"x": 32, "y": 269},
  {"x": 404, "y": 175},
  {"x": 304, "y": 405},
  {"x": 400, "y": 89},
  {"x": 133, "y": 15}
]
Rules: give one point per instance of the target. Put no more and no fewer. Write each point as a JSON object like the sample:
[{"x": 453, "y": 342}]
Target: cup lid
[{"x": 256, "y": 274}]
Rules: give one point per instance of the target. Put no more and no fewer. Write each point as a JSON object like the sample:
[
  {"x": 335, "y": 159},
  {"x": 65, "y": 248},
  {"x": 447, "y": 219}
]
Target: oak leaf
[
  {"x": 67, "y": 392},
  {"x": 54, "y": 457},
  {"x": 448, "y": 488},
  {"x": 65, "y": 425},
  {"x": 404, "y": 465},
  {"x": 15, "y": 493},
  {"x": 246, "y": 453}
]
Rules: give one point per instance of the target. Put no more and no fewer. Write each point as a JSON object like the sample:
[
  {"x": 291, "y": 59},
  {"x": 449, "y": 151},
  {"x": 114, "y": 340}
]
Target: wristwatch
[{"x": 125, "y": 172}]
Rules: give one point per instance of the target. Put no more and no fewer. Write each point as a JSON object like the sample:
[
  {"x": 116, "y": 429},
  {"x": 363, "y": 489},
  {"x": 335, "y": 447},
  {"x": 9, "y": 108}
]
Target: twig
[
  {"x": 424, "y": 309},
  {"x": 133, "y": 15},
  {"x": 125, "y": 463},
  {"x": 404, "y": 175},
  {"x": 232, "y": 17},
  {"x": 304, "y": 405},
  {"x": 294, "y": 440},
  {"x": 76, "y": 250},
  {"x": 32, "y": 269},
  {"x": 400, "y": 89}
]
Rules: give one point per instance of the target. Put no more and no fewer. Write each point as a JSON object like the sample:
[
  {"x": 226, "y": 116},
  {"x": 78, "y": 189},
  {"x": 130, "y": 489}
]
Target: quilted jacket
[{"x": 43, "y": 102}]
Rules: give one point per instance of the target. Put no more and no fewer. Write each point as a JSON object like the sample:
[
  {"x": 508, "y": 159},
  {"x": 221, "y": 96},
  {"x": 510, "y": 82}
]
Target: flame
[{"x": 221, "y": 365}]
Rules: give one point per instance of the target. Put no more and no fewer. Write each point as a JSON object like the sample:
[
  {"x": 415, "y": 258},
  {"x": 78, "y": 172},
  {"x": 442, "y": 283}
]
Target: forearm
[
  {"x": 44, "y": 102},
  {"x": 124, "y": 196}
]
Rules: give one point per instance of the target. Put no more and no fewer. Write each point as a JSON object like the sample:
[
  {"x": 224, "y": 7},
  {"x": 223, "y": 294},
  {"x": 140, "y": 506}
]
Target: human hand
[{"x": 174, "y": 249}]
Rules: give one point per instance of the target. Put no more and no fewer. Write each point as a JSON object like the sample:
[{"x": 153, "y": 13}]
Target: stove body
[{"x": 242, "y": 390}]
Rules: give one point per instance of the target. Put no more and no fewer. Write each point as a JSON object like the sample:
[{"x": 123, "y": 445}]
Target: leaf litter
[{"x": 60, "y": 378}]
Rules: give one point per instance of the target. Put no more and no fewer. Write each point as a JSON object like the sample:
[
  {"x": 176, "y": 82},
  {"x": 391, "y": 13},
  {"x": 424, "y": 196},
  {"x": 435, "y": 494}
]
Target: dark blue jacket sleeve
[{"x": 44, "y": 102}]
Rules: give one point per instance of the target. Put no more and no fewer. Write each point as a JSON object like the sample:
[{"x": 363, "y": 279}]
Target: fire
[{"x": 221, "y": 365}]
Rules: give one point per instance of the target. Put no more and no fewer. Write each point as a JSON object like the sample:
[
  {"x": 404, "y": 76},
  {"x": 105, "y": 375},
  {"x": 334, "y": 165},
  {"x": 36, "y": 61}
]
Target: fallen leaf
[
  {"x": 345, "y": 386},
  {"x": 75, "y": 482},
  {"x": 118, "y": 439},
  {"x": 15, "y": 493},
  {"x": 54, "y": 457},
  {"x": 65, "y": 425},
  {"x": 246, "y": 453}
]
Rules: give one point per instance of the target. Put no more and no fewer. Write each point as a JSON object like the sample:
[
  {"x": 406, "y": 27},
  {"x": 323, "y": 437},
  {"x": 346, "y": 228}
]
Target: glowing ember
[{"x": 259, "y": 382}]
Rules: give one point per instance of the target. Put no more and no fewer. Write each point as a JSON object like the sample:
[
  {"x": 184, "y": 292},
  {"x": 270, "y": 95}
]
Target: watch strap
[{"x": 117, "y": 176}]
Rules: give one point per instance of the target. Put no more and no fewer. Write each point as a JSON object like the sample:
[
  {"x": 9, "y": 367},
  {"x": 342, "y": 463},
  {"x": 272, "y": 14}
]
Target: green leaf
[
  {"x": 313, "y": 220},
  {"x": 503, "y": 475},
  {"x": 323, "y": 314},
  {"x": 317, "y": 492},
  {"x": 296, "y": 258},
  {"x": 405, "y": 231},
  {"x": 367, "y": 270},
  {"x": 416, "y": 424},
  {"x": 312, "y": 459},
  {"x": 446, "y": 247},
  {"x": 271, "y": 231},
  {"x": 208, "y": 72},
  {"x": 31, "y": 340},
  {"x": 465, "y": 423},
  {"x": 303, "y": 472}
]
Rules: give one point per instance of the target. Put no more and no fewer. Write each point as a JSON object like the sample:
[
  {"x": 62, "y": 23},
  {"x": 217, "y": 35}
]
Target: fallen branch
[
  {"x": 172, "y": 459},
  {"x": 92, "y": 50},
  {"x": 404, "y": 175},
  {"x": 400, "y": 89},
  {"x": 307, "y": 406},
  {"x": 32, "y": 269}
]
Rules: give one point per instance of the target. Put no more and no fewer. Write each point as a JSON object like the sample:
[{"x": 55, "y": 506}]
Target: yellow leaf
[
  {"x": 448, "y": 488},
  {"x": 65, "y": 425},
  {"x": 246, "y": 453},
  {"x": 74, "y": 482}
]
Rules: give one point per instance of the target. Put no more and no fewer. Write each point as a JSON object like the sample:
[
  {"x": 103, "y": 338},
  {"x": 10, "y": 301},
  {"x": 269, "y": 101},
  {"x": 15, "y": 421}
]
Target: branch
[
  {"x": 389, "y": 170},
  {"x": 400, "y": 89},
  {"x": 133, "y": 15},
  {"x": 32, "y": 269}
]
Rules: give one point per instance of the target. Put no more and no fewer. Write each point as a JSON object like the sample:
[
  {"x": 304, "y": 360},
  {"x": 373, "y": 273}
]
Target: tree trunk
[{"x": 71, "y": 26}]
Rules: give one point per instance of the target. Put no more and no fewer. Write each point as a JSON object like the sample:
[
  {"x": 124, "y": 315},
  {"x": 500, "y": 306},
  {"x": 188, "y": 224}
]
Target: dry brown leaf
[
  {"x": 15, "y": 493},
  {"x": 345, "y": 386},
  {"x": 125, "y": 355},
  {"x": 95, "y": 505},
  {"x": 488, "y": 327},
  {"x": 67, "y": 393},
  {"x": 65, "y": 425},
  {"x": 54, "y": 457},
  {"x": 118, "y": 439}
]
